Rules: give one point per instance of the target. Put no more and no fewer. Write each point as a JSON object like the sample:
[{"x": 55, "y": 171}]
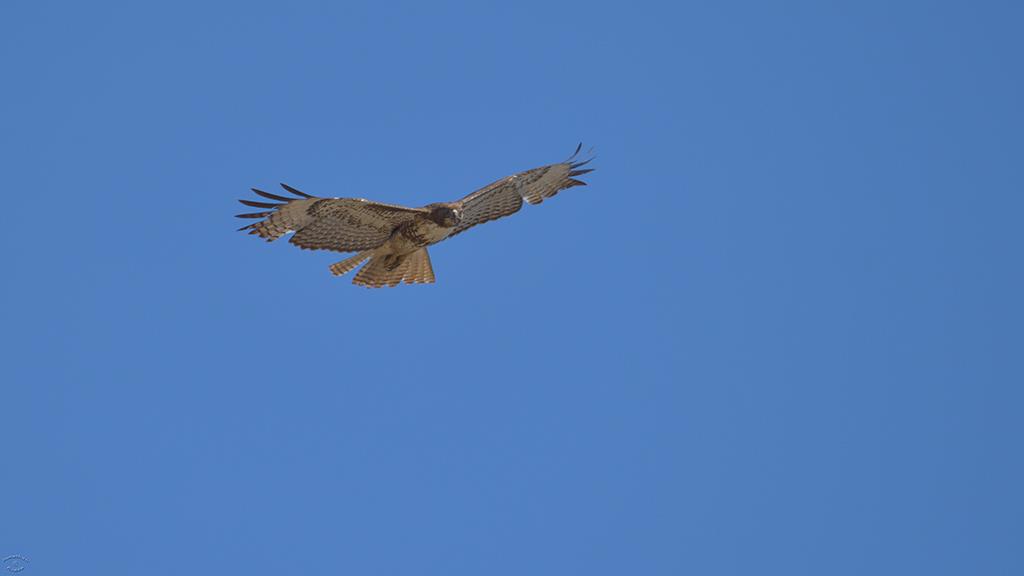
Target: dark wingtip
[
  {"x": 253, "y": 215},
  {"x": 271, "y": 196},
  {"x": 580, "y": 172},
  {"x": 296, "y": 192},
  {"x": 576, "y": 165},
  {"x": 574, "y": 154},
  {"x": 256, "y": 204}
]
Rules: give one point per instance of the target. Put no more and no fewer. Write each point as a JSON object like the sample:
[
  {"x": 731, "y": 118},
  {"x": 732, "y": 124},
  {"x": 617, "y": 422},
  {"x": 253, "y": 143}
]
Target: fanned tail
[
  {"x": 381, "y": 271},
  {"x": 420, "y": 271},
  {"x": 349, "y": 264}
]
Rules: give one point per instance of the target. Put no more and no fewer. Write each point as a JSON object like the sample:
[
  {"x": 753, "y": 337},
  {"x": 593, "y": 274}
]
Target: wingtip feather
[
  {"x": 256, "y": 204},
  {"x": 271, "y": 196},
  {"x": 299, "y": 193},
  {"x": 576, "y": 165}
]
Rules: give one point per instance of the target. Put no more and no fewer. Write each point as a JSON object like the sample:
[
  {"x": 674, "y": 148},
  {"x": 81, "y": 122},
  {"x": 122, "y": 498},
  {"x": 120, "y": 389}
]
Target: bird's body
[
  {"x": 421, "y": 232},
  {"x": 395, "y": 238}
]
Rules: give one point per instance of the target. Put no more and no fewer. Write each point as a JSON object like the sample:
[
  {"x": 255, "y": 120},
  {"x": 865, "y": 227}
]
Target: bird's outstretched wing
[
  {"x": 506, "y": 196},
  {"x": 339, "y": 224}
]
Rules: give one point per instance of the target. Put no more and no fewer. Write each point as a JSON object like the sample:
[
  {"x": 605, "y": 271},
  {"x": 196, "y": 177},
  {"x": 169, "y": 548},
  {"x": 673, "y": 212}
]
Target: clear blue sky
[{"x": 779, "y": 333}]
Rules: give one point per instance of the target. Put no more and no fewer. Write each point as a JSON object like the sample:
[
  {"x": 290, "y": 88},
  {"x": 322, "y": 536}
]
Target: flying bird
[{"x": 394, "y": 239}]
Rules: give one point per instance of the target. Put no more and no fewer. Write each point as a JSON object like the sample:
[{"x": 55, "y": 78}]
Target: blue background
[{"x": 779, "y": 333}]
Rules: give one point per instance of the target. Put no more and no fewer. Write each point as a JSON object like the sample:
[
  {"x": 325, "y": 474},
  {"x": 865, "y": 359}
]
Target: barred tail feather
[
  {"x": 376, "y": 274},
  {"x": 349, "y": 264},
  {"x": 414, "y": 269},
  {"x": 420, "y": 270}
]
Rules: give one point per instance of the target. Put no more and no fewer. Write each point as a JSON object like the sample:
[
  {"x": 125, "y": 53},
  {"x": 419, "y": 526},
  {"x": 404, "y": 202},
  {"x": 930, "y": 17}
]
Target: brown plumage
[{"x": 395, "y": 238}]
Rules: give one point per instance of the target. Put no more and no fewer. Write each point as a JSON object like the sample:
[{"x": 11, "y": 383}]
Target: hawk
[{"x": 394, "y": 239}]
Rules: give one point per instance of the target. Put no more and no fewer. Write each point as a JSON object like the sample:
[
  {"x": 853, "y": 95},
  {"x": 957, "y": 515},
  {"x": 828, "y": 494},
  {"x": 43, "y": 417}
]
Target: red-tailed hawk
[{"x": 395, "y": 238}]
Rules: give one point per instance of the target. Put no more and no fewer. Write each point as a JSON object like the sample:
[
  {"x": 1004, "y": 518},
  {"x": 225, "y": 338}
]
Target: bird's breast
[{"x": 425, "y": 232}]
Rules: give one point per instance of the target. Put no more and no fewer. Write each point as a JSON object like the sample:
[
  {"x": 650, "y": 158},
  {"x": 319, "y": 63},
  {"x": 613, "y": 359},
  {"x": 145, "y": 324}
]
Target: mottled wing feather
[
  {"x": 505, "y": 196},
  {"x": 489, "y": 203},
  {"x": 339, "y": 224},
  {"x": 351, "y": 224}
]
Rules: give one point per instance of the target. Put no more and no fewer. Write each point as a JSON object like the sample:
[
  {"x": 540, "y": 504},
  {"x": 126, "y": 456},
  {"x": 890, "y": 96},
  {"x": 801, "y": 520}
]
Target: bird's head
[{"x": 446, "y": 216}]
